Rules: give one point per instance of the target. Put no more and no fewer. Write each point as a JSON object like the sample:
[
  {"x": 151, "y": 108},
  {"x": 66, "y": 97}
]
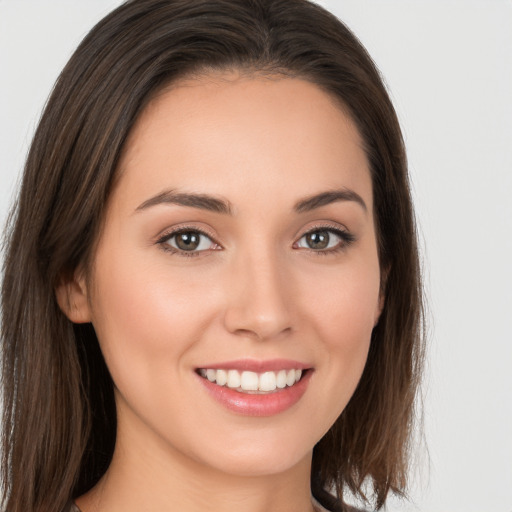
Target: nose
[{"x": 258, "y": 304}]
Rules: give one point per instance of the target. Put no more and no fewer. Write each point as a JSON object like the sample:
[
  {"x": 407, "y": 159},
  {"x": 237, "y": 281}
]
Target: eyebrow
[
  {"x": 325, "y": 198},
  {"x": 201, "y": 201},
  {"x": 218, "y": 205}
]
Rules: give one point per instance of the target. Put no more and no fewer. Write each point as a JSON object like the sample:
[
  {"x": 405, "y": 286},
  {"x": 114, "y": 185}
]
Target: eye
[
  {"x": 188, "y": 241},
  {"x": 325, "y": 239}
]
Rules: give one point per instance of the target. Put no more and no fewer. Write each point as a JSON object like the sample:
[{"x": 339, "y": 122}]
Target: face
[{"x": 236, "y": 281}]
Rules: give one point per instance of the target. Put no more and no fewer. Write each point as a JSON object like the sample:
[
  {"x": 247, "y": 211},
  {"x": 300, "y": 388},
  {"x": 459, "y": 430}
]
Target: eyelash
[
  {"x": 346, "y": 239},
  {"x": 162, "y": 241}
]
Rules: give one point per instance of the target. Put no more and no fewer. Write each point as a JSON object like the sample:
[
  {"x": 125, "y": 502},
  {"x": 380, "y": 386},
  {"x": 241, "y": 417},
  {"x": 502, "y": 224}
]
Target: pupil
[
  {"x": 318, "y": 240},
  {"x": 187, "y": 241}
]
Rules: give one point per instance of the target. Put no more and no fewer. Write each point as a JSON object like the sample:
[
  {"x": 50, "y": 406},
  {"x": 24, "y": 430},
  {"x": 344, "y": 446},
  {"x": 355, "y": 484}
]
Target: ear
[{"x": 71, "y": 294}]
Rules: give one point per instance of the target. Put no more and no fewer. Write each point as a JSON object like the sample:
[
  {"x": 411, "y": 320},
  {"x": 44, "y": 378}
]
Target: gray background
[{"x": 448, "y": 65}]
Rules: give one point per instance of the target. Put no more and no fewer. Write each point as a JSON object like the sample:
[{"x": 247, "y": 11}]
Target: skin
[{"x": 256, "y": 290}]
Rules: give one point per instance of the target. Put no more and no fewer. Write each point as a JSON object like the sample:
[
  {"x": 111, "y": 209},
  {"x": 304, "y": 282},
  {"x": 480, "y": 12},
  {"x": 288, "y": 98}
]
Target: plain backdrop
[{"x": 448, "y": 65}]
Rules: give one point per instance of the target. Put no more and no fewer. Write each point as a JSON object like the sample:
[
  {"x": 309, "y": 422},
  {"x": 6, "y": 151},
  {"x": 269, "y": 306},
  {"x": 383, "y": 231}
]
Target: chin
[{"x": 259, "y": 457}]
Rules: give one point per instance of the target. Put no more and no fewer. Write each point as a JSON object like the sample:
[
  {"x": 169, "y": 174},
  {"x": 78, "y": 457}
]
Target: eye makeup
[
  {"x": 191, "y": 241},
  {"x": 187, "y": 241},
  {"x": 319, "y": 240}
]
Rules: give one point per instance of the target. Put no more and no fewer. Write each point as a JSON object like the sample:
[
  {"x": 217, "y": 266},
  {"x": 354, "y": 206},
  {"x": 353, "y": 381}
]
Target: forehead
[{"x": 228, "y": 133}]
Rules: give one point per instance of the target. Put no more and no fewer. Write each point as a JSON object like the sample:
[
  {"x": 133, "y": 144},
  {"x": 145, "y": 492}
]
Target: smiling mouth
[{"x": 252, "y": 382}]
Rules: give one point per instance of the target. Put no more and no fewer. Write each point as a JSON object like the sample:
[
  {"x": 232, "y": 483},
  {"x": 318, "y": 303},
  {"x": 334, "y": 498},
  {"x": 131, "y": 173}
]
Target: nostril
[{"x": 258, "y": 305}]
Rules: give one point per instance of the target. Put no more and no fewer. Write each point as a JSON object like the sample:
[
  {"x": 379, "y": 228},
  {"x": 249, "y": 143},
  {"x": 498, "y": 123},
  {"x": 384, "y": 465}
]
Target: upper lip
[{"x": 257, "y": 366}]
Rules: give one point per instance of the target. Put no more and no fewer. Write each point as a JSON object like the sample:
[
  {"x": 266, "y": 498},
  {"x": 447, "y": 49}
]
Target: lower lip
[{"x": 255, "y": 404}]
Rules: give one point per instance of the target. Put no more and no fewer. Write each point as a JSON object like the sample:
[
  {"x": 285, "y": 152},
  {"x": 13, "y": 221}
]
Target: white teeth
[
  {"x": 252, "y": 381},
  {"x": 267, "y": 381},
  {"x": 221, "y": 378},
  {"x": 290, "y": 378},
  {"x": 281, "y": 379},
  {"x": 233, "y": 379},
  {"x": 249, "y": 381}
]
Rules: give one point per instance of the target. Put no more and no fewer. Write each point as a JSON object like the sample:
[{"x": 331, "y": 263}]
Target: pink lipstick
[{"x": 256, "y": 388}]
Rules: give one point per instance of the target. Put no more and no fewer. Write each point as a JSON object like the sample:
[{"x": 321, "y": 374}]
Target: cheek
[
  {"x": 345, "y": 303},
  {"x": 144, "y": 317},
  {"x": 342, "y": 318},
  {"x": 346, "y": 328}
]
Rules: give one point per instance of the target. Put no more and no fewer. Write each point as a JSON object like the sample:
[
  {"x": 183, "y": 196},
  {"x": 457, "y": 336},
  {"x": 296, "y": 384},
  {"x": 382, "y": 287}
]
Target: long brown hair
[{"x": 59, "y": 425}]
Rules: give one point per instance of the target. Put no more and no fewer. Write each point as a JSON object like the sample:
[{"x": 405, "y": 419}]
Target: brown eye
[
  {"x": 325, "y": 240},
  {"x": 318, "y": 240},
  {"x": 190, "y": 241}
]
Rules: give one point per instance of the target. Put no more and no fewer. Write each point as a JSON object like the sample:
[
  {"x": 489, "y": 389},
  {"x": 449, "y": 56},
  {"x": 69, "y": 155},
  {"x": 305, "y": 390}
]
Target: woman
[{"x": 211, "y": 295}]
